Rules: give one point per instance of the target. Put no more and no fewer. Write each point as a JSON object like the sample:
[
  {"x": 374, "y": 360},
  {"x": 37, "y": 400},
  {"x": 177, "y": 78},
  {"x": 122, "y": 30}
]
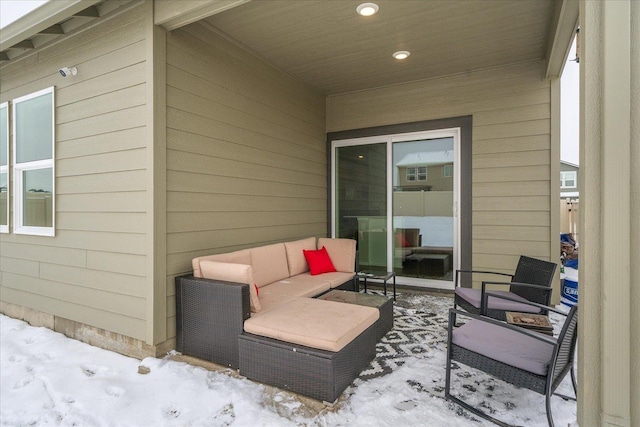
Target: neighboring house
[
  {"x": 429, "y": 171},
  {"x": 569, "y": 180},
  {"x": 193, "y": 128}
]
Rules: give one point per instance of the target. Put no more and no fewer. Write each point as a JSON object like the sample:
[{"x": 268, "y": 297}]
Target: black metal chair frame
[
  {"x": 562, "y": 360},
  {"x": 531, "y": 280}
]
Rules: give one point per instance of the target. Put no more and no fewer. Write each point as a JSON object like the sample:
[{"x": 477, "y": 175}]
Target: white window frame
[
  {"x": 4, "y": 169},
  {"x": 568, "y": 176},
  {"x": 19, "y": 168},
  {"x": 412, "y": 174},
  {"x": 421, "y": 173},
  {"x": 447, "y": 171}
]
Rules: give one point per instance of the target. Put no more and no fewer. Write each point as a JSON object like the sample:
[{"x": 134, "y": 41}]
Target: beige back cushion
[
  {"x": 229, "y": 272},
  {"x": 269, "y": 263},
  {"x": 342, "y": 253},
  {"x": 237, "y": 257},
  {"x": 295, "y": 256}
]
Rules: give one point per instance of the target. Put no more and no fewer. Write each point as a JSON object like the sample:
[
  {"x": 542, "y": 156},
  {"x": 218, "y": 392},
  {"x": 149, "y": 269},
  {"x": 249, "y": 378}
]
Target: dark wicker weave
[
  {"x": 319, "y": 374},
  {"x": 210, "y": 317},
  {"x": 560, "y": 364},
  {"x": 531, "y": 280}
]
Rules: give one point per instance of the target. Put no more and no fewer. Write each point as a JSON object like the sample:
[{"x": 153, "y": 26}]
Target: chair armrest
[
  {"x": 457, "y": 275},
  {"x": 453, "y": 312},
  {"x": 485, "y": 297},
  {"x": 210, "y": 316}
]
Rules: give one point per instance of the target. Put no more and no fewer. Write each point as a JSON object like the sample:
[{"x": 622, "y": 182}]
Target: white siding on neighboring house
[
  {"x": 93, "y": 270},
  {"x": 511, "y": 149},
  {"x": 246, "y": 156}
]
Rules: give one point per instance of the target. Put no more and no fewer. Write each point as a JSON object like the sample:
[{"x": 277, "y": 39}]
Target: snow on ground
[{"x": 50, "y": 380}]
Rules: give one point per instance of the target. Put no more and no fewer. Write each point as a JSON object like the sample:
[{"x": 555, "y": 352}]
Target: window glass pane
[
  {"x": 38, "y": 198},
  {"x": 4, "y": 135},
  {"x": 4, "y": 184},
  {"x": 34, "y": 129},
  {"x": 361, "y": 201}
]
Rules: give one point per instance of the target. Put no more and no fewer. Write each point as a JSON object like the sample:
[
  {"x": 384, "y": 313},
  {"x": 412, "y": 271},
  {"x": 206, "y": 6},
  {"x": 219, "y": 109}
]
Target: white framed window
[
  {"x": 411, "y": 174},
  {"x": 568, "y": 179},
  {"x": 447, "y": 171},
  {"x": 4, "y": 167},
  {"x": 418, "y": 173},
  {"x": 422, "y": 173},
  {"x": 33, "y": 163}
]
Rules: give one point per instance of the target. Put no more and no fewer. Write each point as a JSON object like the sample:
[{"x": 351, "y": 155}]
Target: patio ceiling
[{"x": 328, "y": 46}]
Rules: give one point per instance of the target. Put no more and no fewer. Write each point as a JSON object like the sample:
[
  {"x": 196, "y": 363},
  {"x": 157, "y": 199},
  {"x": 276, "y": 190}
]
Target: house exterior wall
[
  {"x": 246, "y": 155},
  {"x": 512, "y": 156},
  {"x": 93, "y": 272}
]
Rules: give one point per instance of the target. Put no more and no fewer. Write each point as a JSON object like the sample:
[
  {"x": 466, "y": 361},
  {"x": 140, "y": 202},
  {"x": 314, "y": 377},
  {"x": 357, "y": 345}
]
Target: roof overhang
[
  {"x": 46, "y": 16},
  {"x": 564, "y": 26}
]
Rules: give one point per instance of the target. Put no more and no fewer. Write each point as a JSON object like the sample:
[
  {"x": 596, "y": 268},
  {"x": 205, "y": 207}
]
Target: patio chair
[
  {"x": 531, "y": 281},
  {"x": 516, "y": 355}
]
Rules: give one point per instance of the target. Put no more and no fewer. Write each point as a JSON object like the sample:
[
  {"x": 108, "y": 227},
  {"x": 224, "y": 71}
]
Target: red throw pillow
[{"x": 319, "y": 261}]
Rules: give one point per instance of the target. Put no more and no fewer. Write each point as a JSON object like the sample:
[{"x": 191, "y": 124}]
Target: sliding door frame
[{"x": 382, "y": 134}]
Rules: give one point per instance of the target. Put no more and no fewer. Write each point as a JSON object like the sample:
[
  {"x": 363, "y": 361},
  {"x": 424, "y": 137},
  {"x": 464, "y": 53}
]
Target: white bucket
[{"x": 569, "y": 288}]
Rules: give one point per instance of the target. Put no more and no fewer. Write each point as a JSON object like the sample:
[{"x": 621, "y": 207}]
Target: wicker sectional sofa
[{"x": 255, "y": 310}]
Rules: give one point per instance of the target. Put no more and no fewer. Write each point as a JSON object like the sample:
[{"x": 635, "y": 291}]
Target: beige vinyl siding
[
  {"x": 93, "y": 270},
  {"x": 246, "y": 156},
  {"x": 511, "y": 157}
]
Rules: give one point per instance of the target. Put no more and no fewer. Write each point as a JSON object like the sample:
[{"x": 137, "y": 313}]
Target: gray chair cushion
[
  {"x": 472, "y": 296},
  {"x": 504, "y": 345}
]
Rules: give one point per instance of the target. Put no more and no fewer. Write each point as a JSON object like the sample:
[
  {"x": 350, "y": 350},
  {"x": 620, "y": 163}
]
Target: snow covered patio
[{"x": 48, "y": 379}]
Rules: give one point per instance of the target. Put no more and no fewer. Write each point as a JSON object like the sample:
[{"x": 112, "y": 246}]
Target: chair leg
[
  {"x": 574, "y": 382},
  {"x": 476, "y": 411},
  {"x": 548, "y": 404}
]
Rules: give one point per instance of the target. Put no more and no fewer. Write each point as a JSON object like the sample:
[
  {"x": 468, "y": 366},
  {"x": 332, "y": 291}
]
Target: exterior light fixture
[
  {"x": 367, "y": 9},
  {"x": 401, "y": 54}
]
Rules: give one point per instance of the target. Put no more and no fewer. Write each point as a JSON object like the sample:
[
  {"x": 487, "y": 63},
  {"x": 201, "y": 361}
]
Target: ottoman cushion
[{"x": 324, "y": 325}]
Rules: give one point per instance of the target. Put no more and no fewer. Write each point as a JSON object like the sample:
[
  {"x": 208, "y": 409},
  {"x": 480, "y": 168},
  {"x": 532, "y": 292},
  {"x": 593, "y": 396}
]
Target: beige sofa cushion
[
  {"x": 229, "y": 272},
  {"x": 334, "y": 279},
  {"x": 269, "y": 263},
  {"x": 325, "y": 325},
  {"x": 238, "y": 257},
  {"x": 295, "y": 256},
  {"x": 283, "y": 291},
  {"x": 342, "y": 253}
]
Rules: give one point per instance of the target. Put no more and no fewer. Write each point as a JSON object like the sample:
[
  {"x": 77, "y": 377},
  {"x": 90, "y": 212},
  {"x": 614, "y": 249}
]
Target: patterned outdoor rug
[{"x": 419, "y": 328}]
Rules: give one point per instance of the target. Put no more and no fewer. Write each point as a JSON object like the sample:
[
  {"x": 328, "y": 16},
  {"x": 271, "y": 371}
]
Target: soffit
[
  {"x": 326, "y": 45},
  {"x": 51, "y": 22}
]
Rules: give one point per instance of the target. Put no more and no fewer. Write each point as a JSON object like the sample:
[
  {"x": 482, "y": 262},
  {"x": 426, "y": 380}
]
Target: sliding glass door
[
  {"x": 397, "y": 196},
  {"x": 361, "y": 200}
]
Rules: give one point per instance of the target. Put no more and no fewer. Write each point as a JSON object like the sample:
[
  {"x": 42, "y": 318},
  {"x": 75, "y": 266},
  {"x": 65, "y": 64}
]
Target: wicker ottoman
[
  {"x": 309, "y": 346},
  {"x": 319, "y": 374}
]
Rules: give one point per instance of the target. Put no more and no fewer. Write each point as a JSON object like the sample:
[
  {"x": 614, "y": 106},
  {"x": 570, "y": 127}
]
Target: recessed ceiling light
[
  {"x": 401, "y": 54},
  {"x": 367, "y": 9}
]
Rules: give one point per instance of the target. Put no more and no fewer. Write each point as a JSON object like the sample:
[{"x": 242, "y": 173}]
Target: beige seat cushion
[
  {"x": 295, "y": 256},
  {"x": 229, "y": 272},
  {"x": 333, "y": 279},
  {"x": 342, "y": 253},
  {"x": 283, "y": 291},
  {"x": 325, "y": 325}
]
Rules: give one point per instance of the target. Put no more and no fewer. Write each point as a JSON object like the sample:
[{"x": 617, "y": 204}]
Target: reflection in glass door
[
  {"x": 397, "y": 195},
  {"x": 423, "y": 200},
  {"x": 360, "y": 186}
]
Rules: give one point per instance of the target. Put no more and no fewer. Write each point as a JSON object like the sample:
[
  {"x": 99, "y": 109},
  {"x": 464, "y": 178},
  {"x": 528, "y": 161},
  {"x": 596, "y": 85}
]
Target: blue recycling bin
[{"x": 569, "y": 287}]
